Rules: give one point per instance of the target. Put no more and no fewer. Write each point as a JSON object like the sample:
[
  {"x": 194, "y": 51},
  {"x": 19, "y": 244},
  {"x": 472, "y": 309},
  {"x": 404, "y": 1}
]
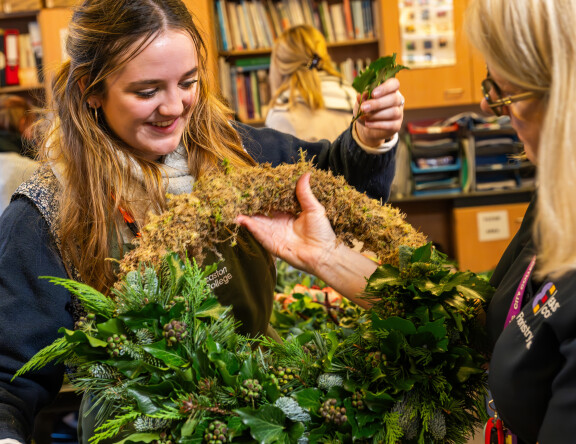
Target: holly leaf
[
  {"x": 161, "y": 351},
  {"x": 308, "y": 398},
  {"x": 267, "y": 424}
]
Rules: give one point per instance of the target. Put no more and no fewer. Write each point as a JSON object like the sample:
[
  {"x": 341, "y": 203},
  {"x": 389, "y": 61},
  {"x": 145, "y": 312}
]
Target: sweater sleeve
[
  {"x": 32, "y": 311},
  {"x": 369, "y": 173}
]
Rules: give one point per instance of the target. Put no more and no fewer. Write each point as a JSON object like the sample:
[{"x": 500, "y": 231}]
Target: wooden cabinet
[
  {"x": 473, "y": 229},
  {"x": 53, "y": 25},
  {"x": 482, "y": 233},
  {"x": 203, "y": 14},
  {"x": 432, "y": 87}
]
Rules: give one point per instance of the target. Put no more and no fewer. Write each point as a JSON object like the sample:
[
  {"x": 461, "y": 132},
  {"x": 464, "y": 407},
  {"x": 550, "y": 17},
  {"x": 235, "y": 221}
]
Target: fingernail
[{"x": 366, "y": 107}]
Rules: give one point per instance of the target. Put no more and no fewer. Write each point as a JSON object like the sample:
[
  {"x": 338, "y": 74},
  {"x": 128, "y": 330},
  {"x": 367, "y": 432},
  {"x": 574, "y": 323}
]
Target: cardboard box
[
  {"x": 60, "y": 3},
  {"x": 9, "y": 6}
]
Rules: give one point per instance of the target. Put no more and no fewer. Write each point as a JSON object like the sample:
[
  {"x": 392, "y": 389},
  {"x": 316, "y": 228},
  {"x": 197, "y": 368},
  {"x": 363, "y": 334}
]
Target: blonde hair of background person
[
  {"x": 289, "y": 67},
  {"x": 17, "y": 115},
  {"x": 522, "y": 45},
  {"x": 310, "y": 98}
]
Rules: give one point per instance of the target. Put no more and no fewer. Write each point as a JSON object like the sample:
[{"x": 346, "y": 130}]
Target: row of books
[
  {"x": 245, "y": 85},
  {"x": 21, "y": 57},
  {"x": 471, "y": 153},
  {"x": 255, "y": 24}
]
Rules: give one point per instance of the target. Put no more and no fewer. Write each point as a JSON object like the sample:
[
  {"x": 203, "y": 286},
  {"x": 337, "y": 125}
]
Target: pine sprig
[
  {"x": 57, "y": 352},
  {"x": 114, "y": 426},
  {"x": 92, "y": 299}
]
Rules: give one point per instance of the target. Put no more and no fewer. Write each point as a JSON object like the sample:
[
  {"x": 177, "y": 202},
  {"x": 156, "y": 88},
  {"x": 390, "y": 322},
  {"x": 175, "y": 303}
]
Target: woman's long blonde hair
[
  {"x": 290, "y": 65},
  {"x": 531, "y": 43},
  {"x": 94, "y": 164}
]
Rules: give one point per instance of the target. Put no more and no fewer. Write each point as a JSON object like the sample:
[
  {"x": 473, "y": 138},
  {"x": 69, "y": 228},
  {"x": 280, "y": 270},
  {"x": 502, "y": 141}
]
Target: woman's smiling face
[{"x": 148, "y": 102}]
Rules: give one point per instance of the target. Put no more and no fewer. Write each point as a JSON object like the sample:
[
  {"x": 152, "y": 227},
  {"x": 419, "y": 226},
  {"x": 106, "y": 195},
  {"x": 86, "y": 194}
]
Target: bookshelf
[
  {"x": 246, "y": 30},
  {"x": 36, "y": 62}
]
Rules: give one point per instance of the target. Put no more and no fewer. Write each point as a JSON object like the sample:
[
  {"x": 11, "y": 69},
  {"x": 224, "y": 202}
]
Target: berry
[
  {"x": 216, "y": 433},
  {"x": 116, "y": 344},
  {"x": 250, "y": 390},
  {"x": 332, "y": 412},
  {"x": 174, "y": 332},
  {"x": 358, "y": 400}
]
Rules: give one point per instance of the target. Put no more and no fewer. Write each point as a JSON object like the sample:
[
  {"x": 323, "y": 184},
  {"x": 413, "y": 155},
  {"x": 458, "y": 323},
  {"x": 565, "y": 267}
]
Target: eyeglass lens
[{"x": 490, "y": 89}]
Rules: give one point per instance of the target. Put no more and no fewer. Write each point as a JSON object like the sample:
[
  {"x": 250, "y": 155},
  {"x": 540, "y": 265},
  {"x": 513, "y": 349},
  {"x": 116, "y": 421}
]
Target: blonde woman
[
  {"x": 310, "y": 99},
  {"x": 530, "y": 54},
  {"x": 135, "y": 118}
]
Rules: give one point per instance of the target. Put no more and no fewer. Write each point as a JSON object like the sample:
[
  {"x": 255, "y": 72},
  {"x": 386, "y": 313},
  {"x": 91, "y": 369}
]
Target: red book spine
[{"x": 12, "y": 59}]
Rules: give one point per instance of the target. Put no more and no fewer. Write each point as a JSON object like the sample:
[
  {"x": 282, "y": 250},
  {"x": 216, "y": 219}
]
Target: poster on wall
[{"x": 427, "y": 33}]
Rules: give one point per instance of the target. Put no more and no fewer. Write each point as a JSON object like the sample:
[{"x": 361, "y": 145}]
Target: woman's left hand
[
  {"x": 304, "y": 241},
  {"x": 382, "y": 114}
]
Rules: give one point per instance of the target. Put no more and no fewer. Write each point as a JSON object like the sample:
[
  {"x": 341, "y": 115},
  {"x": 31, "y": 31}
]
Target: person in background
[
  {"x": 310, "y": 99},
  {"x": 16, "y": 118},
  {"x": 16, "y": 146},
  {"x": 530, "y": 54},
  {"x": 134, "y": 117}
]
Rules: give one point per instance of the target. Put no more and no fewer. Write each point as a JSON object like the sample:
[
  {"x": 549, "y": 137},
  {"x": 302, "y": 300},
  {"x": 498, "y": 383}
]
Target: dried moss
[{"x": 206, "y": 216}]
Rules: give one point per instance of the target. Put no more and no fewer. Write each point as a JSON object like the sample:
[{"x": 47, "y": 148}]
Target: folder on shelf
[
  {"x": 435, "y": 157},
  {"x": 12, "y": 56}
]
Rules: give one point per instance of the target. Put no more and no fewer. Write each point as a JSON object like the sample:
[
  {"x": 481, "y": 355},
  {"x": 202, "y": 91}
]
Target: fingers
[
  {"x": 389, "y": 87},
  {"x": 385, "y": 109}
]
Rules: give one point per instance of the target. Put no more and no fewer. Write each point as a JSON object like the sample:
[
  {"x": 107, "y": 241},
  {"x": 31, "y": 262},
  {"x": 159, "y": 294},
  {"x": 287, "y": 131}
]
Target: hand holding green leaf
[{"x": 377, "y": 73}]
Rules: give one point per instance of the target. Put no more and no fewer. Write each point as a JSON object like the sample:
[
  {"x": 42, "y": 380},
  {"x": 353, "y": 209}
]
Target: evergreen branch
[
  {"x": 57, "y": 351},
  {"x": 113, "y": 426},
  {"x": 92, "y": 299}
]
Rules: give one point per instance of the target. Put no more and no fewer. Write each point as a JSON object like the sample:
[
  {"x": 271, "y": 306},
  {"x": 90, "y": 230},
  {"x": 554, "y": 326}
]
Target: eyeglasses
[{"x": 488, "y": 85}]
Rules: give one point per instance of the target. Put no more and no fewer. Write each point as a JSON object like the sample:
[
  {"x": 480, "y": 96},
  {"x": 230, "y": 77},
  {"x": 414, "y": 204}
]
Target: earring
[{"x": 94, "y": 109}]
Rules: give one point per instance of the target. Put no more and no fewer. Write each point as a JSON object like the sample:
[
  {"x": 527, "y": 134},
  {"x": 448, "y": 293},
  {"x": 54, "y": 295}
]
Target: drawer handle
[{"x": 454, "y": 92}]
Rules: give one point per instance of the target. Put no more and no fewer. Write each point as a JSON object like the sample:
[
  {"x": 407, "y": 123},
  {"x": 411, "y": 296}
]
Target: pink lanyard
[
  {"x": 495, "y": 425},
  {"x": 516, "y": 304}
]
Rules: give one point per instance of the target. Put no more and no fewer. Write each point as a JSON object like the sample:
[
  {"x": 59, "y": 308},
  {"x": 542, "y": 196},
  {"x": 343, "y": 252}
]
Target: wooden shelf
[
  {"x": 342, "y": 44},
  {"x": 20, "y": 88},
  {"x": 495, "y": 195},
  {"x": 18, "y": 14}
]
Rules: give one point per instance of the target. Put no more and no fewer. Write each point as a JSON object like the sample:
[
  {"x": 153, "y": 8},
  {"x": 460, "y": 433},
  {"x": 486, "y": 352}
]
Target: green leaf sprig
[{"x": 377, "y": 73}]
